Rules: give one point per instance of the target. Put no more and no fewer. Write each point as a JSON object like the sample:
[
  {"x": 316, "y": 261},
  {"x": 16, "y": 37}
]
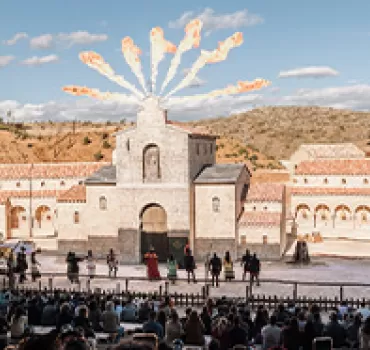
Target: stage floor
[{"x": 321, "y": 270}]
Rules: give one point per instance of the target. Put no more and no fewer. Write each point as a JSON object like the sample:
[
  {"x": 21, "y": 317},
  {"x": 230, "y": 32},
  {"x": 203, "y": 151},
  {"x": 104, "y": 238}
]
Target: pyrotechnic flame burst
[{"x": 159, "y": 47}]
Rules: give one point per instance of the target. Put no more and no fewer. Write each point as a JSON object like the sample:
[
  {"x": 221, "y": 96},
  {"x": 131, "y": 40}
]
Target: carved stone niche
[{"x": 151, "y": 164}]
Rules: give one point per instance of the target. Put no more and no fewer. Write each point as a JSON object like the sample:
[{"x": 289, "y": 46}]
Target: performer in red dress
[{"x": 151, "y": 260}]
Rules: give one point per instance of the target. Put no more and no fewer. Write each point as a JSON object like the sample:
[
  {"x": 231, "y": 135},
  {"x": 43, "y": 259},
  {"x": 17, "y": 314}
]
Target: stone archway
[
  {"x": 153, "y": 231},
  {"x": 42, "y": 215},
  {"x": 15, "y": 217}
]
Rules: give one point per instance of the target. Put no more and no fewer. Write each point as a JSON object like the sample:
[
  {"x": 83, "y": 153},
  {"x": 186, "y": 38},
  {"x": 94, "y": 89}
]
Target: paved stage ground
[{"x": 321, "y": 270}]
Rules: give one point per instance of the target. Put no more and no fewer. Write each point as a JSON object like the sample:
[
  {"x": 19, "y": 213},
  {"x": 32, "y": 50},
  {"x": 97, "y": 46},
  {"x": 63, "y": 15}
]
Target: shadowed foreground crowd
[{"x": 82, "y": 321}]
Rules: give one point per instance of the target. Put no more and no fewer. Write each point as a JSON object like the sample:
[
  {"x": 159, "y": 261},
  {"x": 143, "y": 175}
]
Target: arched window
[
  {"x": 344, "y": 181},
  {"x": 62, "y": 183},
  {"x": 43, "y": 184},
  {"x": 103, "y": 203},
  {"x": 151, "y": 164},
  {"x": 366, "y": 181},
  {"x": 305, "y": 181},
  {"x": 325, "y": 181},
  {"x": 216, "y": 204},
  {"x": 76, "y": 217}
]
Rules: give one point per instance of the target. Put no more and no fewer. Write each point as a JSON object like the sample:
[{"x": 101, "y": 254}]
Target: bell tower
[{"x": 151, "y": 115}]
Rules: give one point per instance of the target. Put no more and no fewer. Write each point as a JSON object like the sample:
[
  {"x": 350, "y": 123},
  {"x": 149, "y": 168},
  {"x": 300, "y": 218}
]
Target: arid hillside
[{"x": 260, "y": 137}]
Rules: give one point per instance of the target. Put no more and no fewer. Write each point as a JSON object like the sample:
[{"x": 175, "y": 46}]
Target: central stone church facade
[{"x": 163, "y": 189}]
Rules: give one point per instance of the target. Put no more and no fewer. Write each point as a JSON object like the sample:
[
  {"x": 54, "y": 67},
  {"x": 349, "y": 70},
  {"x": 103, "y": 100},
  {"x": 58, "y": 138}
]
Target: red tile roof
[
  {"x": 334, "y": 167},
  {"x": 76, "y": 194},
  {"x": 48, "y": 170},
  {"x": 260, "y": 218},
  {"x": 265, "y": 192},
  {"x": 329, "y": 191},
  {"x": 200, "y": 131},
  {"x": 4, "y": 195}
]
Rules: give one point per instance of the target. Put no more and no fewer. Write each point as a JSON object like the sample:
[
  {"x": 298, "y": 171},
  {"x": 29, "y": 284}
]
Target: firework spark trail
[
  {"x": 97, "y": 94},
  {"x": 241, "y": 87},
  {"x": 191, "y": 39},
  {"x": 131, "y": 53},
  {"x": 218, "y": 55},
  {"x": 97, "y": 62}
]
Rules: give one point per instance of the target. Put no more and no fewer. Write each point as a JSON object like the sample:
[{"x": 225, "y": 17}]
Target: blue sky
[{"x": 322, "y": 47}]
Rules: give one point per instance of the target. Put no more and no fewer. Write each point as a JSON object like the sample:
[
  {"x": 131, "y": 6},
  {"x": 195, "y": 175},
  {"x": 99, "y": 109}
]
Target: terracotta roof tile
[
  {"x": 48, "y": 170},
  {"x": 334, "y": 167},
  {"x": 260, "y": 218},
  {"x": 4, "y": 195},
  {"x": 265, "y": 192},
  {"x": 330, "y": 191},
  {"x": 76, "y": 194}
]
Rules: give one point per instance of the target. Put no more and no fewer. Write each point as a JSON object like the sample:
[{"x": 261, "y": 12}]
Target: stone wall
[
  {"x": 263, "y": 251},
  {"x": 203, "y": 246}
]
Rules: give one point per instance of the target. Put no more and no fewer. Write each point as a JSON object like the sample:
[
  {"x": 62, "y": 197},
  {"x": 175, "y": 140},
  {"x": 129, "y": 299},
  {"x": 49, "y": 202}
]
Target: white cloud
[
  {"x": 44, "y": 41},
  {"x": 5, "y": 60},
  {"x": 82, "y": 38},
  {"x": 212, "y": 21},
  {"x": 36, "y": 61},
  {"x": 309, "y": 72},
  {"x": 347, "y": 97},
  {"x": 18, "y": 36},
  {"x": 355, "y": 97},
  {"x": 196, "y": 82}
]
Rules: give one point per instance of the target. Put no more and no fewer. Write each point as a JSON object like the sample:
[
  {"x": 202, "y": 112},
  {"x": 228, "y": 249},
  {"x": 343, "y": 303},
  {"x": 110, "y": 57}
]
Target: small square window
[
  {"x": 305, "y": 181},
  {"x": 18, "y": 184},
  {"x": 62, "y": 183},
  {"x": 43, "y": 184},
  {"x": 344, "y": 181},
  {"x": 325, "y": 181},
  {"x": 366, "y": 181}
]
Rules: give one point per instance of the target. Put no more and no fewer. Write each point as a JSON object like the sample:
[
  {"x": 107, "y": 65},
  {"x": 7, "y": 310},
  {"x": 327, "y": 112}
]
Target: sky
[{"x": 313, "y": 53}]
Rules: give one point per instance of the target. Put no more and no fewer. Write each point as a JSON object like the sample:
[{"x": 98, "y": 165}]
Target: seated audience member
[
  {"x": 83, "y": 322},
  {"x": 237, "y": 335},
  {"x": 18, "y": 324},
  {"x": 111, "y": 321},
  {"x": 129, "y": 312},
  {"x": 95, "y": 316},
  {"x": 364, "y": 335},
  {"x": 173, "y": 328},
  {"x": 144, "y": 312},
  {"x": 49, "y": 314},
  {"x": 291, "y": 335},
  {"x": 65, "y": 316},
  {"x": 335, "y": 331},
  {"x": 271, "y": 334},
  {"x": 194, "y": 330},
  {"x": 364, "y": 311},
  {"x": 152, "y": 326}
]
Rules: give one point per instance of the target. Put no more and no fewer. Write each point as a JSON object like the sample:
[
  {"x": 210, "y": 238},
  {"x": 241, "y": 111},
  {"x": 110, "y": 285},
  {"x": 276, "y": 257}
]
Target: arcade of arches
[
  {"x": 341, "y": 216},
  {"x": 20, "y": 221}
]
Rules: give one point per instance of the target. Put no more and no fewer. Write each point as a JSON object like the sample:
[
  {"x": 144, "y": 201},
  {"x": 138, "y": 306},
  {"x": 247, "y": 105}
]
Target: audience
[{"x": 78, "y": 319}]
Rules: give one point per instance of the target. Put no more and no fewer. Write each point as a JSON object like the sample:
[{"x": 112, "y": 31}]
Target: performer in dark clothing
[
  {"x": 112, "y": 263},
  {"x": 73, "y": 268},
  {"x": 22, "y": 265},
  {"x": 215, "y": 266},
  {"x": 255, "y": 267},
  {"x": 246, "y": 259},
  {"x": 189, "y": 264}
]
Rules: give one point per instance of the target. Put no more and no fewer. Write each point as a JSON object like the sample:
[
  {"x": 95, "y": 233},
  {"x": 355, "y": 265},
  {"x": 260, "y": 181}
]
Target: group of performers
[
  {"x": 214, "y": 265},
  {"x": 12, "y": 265},
  {"x": 73, "y": 268}
]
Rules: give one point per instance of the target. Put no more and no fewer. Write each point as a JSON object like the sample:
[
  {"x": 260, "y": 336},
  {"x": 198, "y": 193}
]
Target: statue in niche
[{"x": 151, "y": 166}]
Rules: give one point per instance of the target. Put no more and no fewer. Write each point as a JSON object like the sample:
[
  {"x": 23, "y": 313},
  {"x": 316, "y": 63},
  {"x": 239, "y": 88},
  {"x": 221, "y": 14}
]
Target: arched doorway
[
  {"x": 153, "y": 231},
  {"x": 15, "y": 217},
  {"x": 42, "y": 215}
]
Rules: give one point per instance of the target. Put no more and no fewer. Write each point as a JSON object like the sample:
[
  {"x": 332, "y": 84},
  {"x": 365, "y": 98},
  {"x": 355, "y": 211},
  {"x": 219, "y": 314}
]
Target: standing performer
[
  {"x": 215, "y": 266},
  {"x": 228, "y": 267},
  {"x": 255, "y": 267},
  {"x": 91, "y": 266},
  {"x": 189, "y": 263},
  {"x": 151, "y": 261},
  {"x": 22, "y": 265},
  {"x": 112, "y": 263},
  {"x": 172, "y": 269},
  {"x": 246, "y": 259},
  {"x": 11, "y": 272},
  {"x": 35, "y": 272},
  {"x": 73, "y": 268}
]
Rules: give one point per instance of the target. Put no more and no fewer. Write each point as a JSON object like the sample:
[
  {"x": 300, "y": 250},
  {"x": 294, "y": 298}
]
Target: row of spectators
[{"x": 75, "y": 317}]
